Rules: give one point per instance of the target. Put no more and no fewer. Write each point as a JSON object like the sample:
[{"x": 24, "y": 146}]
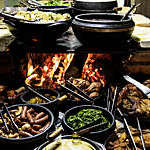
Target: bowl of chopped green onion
[{"x": 82, "y": 116}]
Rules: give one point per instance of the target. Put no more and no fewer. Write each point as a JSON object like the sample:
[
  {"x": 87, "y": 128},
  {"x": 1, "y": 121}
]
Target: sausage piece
[
  {"x": 31, "y": 110},
  {"x": 36, "y": 126},
  {"x": 25, "y": 134},
  {"x": 45, "y": 127},
  {"x": 23, "y": 114},
  {"x": 30, "y": 118},
  {"x": 33, "y": 131},
  {"x": 41, "y": 119},
  {"x": 39, "y": 115}
]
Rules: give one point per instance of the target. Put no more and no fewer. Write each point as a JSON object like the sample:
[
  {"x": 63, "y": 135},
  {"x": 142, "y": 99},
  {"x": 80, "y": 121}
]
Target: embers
[{"x": 93, "y": 69}]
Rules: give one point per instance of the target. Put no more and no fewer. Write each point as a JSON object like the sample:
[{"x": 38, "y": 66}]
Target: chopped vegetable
[
  {"x": 57, "y": 3},
  {"x": 85, "y": 117}
]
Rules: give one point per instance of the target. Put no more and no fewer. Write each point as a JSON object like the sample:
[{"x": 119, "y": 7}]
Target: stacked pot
[{"x": 92, "y": 6}]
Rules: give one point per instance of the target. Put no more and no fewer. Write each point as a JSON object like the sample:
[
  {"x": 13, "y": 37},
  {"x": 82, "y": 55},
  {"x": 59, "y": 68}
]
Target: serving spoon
[
  {"x": 87, "y": 129},
  {"x": 130, "y": 10}
]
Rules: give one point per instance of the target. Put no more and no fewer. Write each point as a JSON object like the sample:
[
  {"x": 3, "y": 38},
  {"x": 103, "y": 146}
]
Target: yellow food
[
  {"x": 38, "y": 100},
  {"x": 42, "y": 17},
  {"x": 69, "y": 144}
]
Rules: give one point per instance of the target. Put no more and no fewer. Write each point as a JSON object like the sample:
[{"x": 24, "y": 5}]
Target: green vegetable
[
  {"x": 57, "y": 3},
  {"x": 85, "y": 117}
]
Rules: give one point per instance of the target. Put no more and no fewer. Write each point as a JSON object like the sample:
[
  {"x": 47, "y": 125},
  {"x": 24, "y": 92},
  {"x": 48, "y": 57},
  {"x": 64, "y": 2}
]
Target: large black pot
[
  {"x": 34, "y": 31},
  {"x": 95, "y": 4},
  {"x": 96, "y": 145},
  {"x": 102, "y": 28},
  {"x": 94, "y": 135},
  {"x": 31, "y": 141}
]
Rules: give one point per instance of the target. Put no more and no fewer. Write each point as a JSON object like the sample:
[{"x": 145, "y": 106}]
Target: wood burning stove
[{"x": 54, "y": 60}]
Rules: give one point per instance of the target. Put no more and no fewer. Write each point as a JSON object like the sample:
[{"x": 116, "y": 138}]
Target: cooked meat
[
  {"x": 80, "y": 83},
  {"x": 119, "y": 140},
  {"x": 94, "y": 94},
  {"x": 93, "y": 86},
  {"x": 133, "y": 101}
]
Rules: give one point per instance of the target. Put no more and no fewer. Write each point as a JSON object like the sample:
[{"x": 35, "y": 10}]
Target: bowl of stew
[{"x": 30, "y": 98}]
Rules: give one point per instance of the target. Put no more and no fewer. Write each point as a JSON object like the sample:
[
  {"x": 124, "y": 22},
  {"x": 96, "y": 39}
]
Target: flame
[
  {"x": 51, "y": 72},
  {"x": 48, "y": 70},
  {"x": 93, "y": 69}
]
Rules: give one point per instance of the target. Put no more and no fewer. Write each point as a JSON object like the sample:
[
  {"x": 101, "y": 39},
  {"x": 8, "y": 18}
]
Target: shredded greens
[
  {"x": 85, "y": 117},
  {"x": 57, "y": 3}
]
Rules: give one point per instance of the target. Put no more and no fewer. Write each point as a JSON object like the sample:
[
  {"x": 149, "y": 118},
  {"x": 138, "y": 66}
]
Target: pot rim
[
  {"x": 92, "y": 11},
  {"x": 93, "y": 143},
  {"x": 78, "y": 18},
  {"x": 92, "y": 106},
  {"x": 37, "y": 135}
]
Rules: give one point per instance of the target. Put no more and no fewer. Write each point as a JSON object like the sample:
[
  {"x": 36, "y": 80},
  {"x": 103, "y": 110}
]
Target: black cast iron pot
[
  {"x": 98, "y": 135},
  {"x": 96, "y": 145},
  {"x": 102, "y": 28},
  {"x": 95, "y": 4},
  {"x": 28, "y": 142},
  {"x": 51, "y": 104},
  {"x": 33, "y": 31}
]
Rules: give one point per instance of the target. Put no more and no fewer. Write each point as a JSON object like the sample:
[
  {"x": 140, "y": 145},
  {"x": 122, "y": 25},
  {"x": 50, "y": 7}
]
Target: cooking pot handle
[
  {"x": 116, "y": 9},
  {"x": 54, "y": 134}
]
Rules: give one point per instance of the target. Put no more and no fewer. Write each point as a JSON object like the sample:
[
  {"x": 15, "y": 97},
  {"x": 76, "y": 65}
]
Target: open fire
[
  {"x": 49, "y": 70},
  {"x": 93, "y": 70}
]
